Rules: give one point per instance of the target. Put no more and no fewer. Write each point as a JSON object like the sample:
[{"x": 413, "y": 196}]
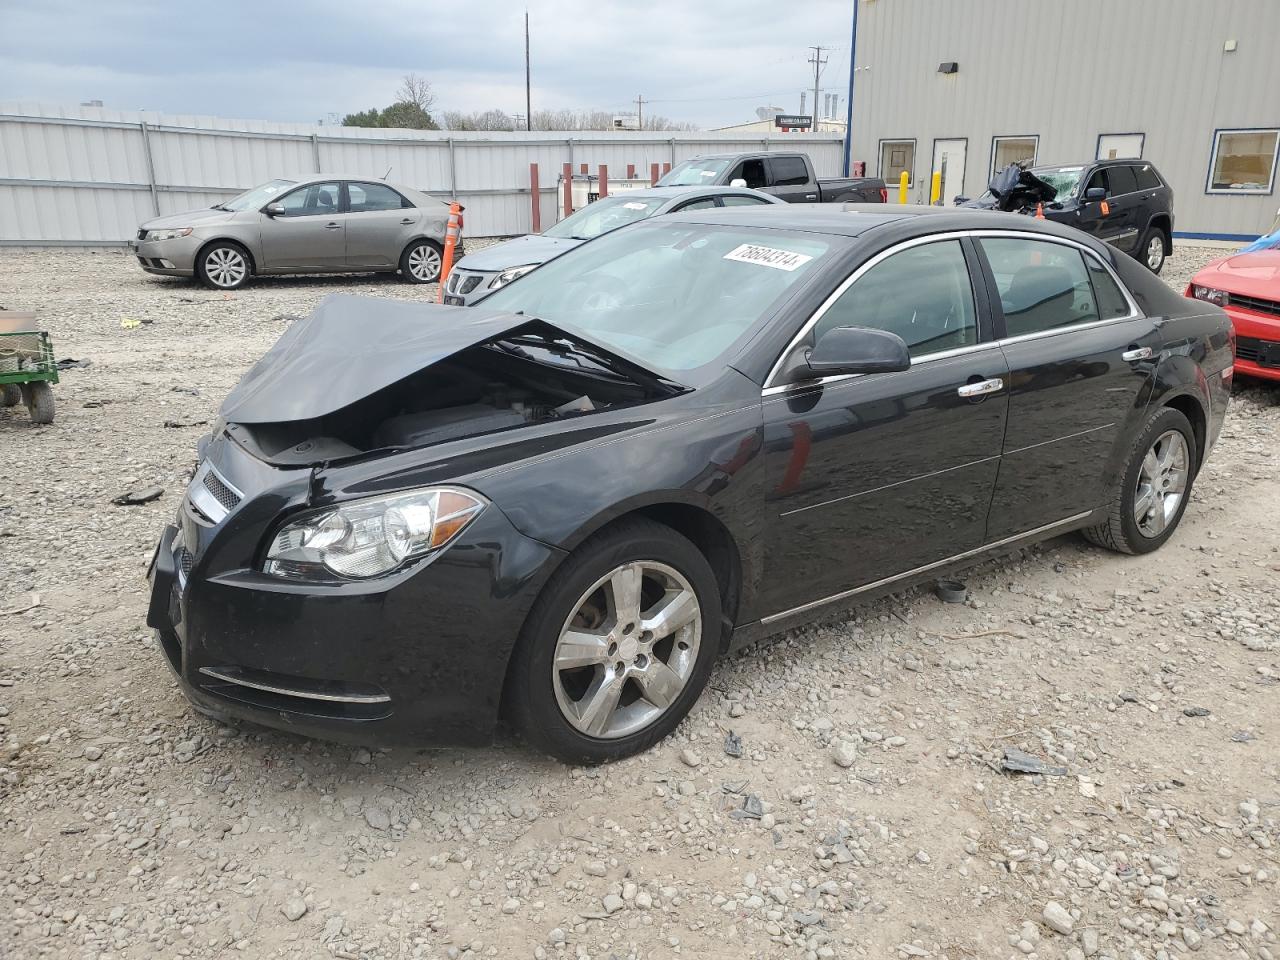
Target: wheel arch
[
  {"x": 1191, "y": 407},
  {"x": 1164, "y": 223},
  {"x": 234, "y": 241}
]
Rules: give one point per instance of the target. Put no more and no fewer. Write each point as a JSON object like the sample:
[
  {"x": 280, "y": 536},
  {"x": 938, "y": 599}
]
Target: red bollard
[
  {"x": 631, "y": 171},
  {"x": 535, "y": 214},
  {"x": 450, "y": 244},
  {"x": 653, "y": 174},
  {"x": 603, "y": 187},
  {"x": 567, "y": 176}
]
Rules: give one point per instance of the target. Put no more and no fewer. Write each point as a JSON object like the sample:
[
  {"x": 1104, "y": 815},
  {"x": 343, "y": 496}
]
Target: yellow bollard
[
  {"x": 902, "y": 186},
  {"x": 935, "y": 190}
]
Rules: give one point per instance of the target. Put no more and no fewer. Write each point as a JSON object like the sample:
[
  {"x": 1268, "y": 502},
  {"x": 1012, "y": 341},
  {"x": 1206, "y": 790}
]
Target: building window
[
  {"x": 1244, "y": 161},
  {"x": 1120, "y": 146},
  {"x": 895, "y": 157},
  {"x": 1007, "y": 150}
]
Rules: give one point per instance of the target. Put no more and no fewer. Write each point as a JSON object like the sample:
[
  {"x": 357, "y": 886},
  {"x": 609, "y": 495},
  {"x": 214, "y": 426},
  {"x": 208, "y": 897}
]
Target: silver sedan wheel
[
  {"x": 424, "y": 263},
  {"x": 1162, "y": 483},
  {"x": 225, "y": 266},
  {"x": 1155, "y": 252},
  {"x": 627, "y": 650}
]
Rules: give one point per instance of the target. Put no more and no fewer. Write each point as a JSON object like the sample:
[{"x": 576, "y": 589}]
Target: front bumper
[
  {"x": 1257, "y": 342},
  {"x": 415, "y": 658},
  {"x": 169, "y": 258}
]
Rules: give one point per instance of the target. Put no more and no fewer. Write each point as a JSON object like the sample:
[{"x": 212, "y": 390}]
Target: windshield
[
  {"x": 259, "y": 196},
  {"x": 694, "y": 173},
  {"x": 605, "y": 214},
  {"x": 1063, "y": 179},
  {"x": 674, "y": 296}
]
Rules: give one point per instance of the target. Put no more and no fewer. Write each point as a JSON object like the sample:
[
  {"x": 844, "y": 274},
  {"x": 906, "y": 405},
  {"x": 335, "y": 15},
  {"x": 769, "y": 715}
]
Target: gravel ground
[{"x": 867, "y": 815}]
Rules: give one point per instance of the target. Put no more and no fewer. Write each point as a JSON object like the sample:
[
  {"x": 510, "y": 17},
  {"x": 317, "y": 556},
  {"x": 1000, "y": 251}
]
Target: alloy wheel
[
  {"x": 1155, "y": 252},
  {"x": 225, "y": 266},
  {"x": 1162, "y": 483},
  {"x": 424, "y": 263},
  {"x": 627, "y": 650}
]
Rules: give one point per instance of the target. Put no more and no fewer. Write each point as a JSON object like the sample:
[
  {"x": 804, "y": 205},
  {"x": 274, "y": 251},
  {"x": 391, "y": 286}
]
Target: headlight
[
  {"x": 506, "y": 276},
  {"x": 1211, "y": 294},
  {"x": 169, "y": 234},
  {"x": 367, "y": 538}
]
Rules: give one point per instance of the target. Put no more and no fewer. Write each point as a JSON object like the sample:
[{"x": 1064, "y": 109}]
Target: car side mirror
[
  {"x": 737, "y": 182},
  {"x": 842, "y": 351},
  {"x": 274, "y": 209},
  {"x": 1094, "y": 194}
]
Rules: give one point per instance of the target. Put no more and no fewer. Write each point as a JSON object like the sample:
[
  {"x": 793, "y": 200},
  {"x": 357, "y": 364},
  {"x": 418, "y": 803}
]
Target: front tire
[
  {"x": 420, "y": 262},
  {"x": 1153, "y": 249},
  {"x": 618, "y": 647},
  {"x": 1155, "y": 488},
  {"x": 224, "y": 266},
  {"x": 10, "y": 395}
]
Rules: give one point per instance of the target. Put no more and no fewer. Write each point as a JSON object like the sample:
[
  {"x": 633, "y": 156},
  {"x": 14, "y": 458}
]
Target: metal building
[{"x": 1191, "y": 85}]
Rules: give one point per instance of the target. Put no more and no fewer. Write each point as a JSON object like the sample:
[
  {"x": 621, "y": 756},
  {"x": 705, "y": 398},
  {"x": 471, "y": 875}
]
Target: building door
[
  {"x": 1120, "y": 146},
  {"x": 948, "y": 157}
]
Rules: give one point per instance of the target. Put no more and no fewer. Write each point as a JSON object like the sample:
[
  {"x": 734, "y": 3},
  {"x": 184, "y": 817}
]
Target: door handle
[
  {"x": 333, "y": 226},
  {"x": 811, "y": 196},
  {"x": 1137, "y": 353},
  {"x": 406, "y": 221},
  {"x": 981, "y": 388}
]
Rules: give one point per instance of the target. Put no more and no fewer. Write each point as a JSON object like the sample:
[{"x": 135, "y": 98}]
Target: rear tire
[
  {"x": 10, "y": 395},
  {"x": 1153, "y": 249},
  {"x": 224, "y": 266},
  {"x": 38, "y": 397},
  {"x": 421, "y": 262},
  {"x": 1142, "y": 515},
  {"x": 584, "y": 640}
]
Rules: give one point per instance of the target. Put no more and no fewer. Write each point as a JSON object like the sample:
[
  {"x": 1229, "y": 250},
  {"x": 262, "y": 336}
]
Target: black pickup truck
[{"x": 788, "y": 176}]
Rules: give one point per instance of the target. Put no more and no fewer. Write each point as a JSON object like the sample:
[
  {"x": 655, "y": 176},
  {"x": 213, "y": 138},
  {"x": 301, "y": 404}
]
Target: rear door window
[
  {"x": 788, "y": 171},
  {"x": 1042, "y": 285},
  {"x": 366, "y": 197},
  {"x": 1122, "y": 180},
  {"x": 739, "y": 200}
]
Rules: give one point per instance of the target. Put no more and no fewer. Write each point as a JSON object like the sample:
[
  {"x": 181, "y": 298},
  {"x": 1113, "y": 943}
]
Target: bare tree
[
  {"x": 416, "y": 90},
  {"x": 476, "y": 120}
]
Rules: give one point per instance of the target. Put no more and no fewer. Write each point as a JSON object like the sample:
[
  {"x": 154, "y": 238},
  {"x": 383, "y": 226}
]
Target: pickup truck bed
[{"x": 788, "y": 176}]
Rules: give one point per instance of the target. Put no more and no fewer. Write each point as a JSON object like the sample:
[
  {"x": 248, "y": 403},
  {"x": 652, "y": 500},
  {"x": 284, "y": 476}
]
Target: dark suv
[{"x": 1124, "y": 202}]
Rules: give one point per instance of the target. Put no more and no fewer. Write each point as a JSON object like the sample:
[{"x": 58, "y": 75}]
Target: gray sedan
[
  {"x": 479, "y": 274},
  {"x": 314, "y": 225}
]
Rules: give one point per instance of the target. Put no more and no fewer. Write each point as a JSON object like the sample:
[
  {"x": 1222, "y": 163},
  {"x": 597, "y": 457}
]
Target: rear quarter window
[{"x": 1147, "y": 177}]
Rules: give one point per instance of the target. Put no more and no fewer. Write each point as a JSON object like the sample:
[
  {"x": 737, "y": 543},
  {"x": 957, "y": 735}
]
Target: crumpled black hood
[{"x": 351, "y": 346}]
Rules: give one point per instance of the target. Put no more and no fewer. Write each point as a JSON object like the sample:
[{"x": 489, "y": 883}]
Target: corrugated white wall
[
  {"x": 1069, "y": 73},
  {"x": 89, "y": 176}
]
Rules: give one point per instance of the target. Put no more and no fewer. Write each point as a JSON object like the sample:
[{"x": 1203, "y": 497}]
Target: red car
[{"x": 1247, "y": 286}]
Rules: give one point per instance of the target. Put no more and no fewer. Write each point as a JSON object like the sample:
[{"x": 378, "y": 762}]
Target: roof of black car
[
  {"x": 680, "y": 189},
  {"x": 855, "y": 219}
]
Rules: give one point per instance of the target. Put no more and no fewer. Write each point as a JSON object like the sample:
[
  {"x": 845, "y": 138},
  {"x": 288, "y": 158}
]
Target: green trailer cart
[{"x": 27, "y": 367}]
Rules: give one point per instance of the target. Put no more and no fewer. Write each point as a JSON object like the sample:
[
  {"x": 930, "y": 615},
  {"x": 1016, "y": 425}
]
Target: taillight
[{"x": 884, "y": 194}]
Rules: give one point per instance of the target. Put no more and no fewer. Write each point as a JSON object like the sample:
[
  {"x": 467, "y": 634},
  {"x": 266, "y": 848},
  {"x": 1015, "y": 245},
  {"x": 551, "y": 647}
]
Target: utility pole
[
  {"x": 818, "y": 62},
  {"x": 528, "y": 96},
  {"x": 639, "y": 113}
]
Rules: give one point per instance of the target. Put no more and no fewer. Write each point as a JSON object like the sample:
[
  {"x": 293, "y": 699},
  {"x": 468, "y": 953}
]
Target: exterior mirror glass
[
  {"x": 848, "y": 350},
  {"x": 1094, "y": 194}
]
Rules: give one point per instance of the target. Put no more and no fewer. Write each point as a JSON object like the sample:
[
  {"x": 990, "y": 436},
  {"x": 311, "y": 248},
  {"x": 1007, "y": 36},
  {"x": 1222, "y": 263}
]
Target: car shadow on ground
[{"x": 289, "y": 281}]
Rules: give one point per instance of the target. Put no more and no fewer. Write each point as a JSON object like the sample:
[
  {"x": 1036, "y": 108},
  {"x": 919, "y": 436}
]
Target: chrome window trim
[
  {"x": 771, "y": 388},
  {"x": 844, "y": 594}
]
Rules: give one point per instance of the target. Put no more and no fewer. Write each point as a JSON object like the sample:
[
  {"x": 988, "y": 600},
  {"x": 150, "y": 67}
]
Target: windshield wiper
[{"x": 218, "y": 206}]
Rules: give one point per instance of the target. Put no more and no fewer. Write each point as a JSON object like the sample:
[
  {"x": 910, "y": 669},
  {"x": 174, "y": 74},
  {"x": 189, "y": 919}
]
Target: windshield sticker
[
  {"x": 768, "y": 257},
  {"x": 706, "y": 173},
  {"x": 632, "y": 205}
]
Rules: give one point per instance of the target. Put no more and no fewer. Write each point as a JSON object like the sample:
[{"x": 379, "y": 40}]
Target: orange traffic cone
[
  {"x": 1039, "y": 211},
  {"x": 450, "y": 244}
]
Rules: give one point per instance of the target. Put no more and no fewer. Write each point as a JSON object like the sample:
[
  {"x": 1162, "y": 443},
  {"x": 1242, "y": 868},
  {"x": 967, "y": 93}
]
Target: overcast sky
[{"x": 711, "y": 61}]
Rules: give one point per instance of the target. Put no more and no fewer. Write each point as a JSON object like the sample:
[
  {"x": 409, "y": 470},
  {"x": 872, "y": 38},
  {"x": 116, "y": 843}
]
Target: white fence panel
[{"x": 89, "y": 176}]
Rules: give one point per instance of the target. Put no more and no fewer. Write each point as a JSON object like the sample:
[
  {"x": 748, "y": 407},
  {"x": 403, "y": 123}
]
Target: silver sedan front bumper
[
  {"x": 171, "y": 258},
  {"x": 467, "y": 287}
]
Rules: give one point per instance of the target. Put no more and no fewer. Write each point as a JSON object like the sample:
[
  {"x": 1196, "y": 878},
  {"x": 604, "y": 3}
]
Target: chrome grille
[{"x": 221, "y": 492}]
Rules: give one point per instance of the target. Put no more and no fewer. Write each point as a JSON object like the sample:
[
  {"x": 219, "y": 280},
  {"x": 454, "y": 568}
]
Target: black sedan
[{"x": 559, "y": 507}]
